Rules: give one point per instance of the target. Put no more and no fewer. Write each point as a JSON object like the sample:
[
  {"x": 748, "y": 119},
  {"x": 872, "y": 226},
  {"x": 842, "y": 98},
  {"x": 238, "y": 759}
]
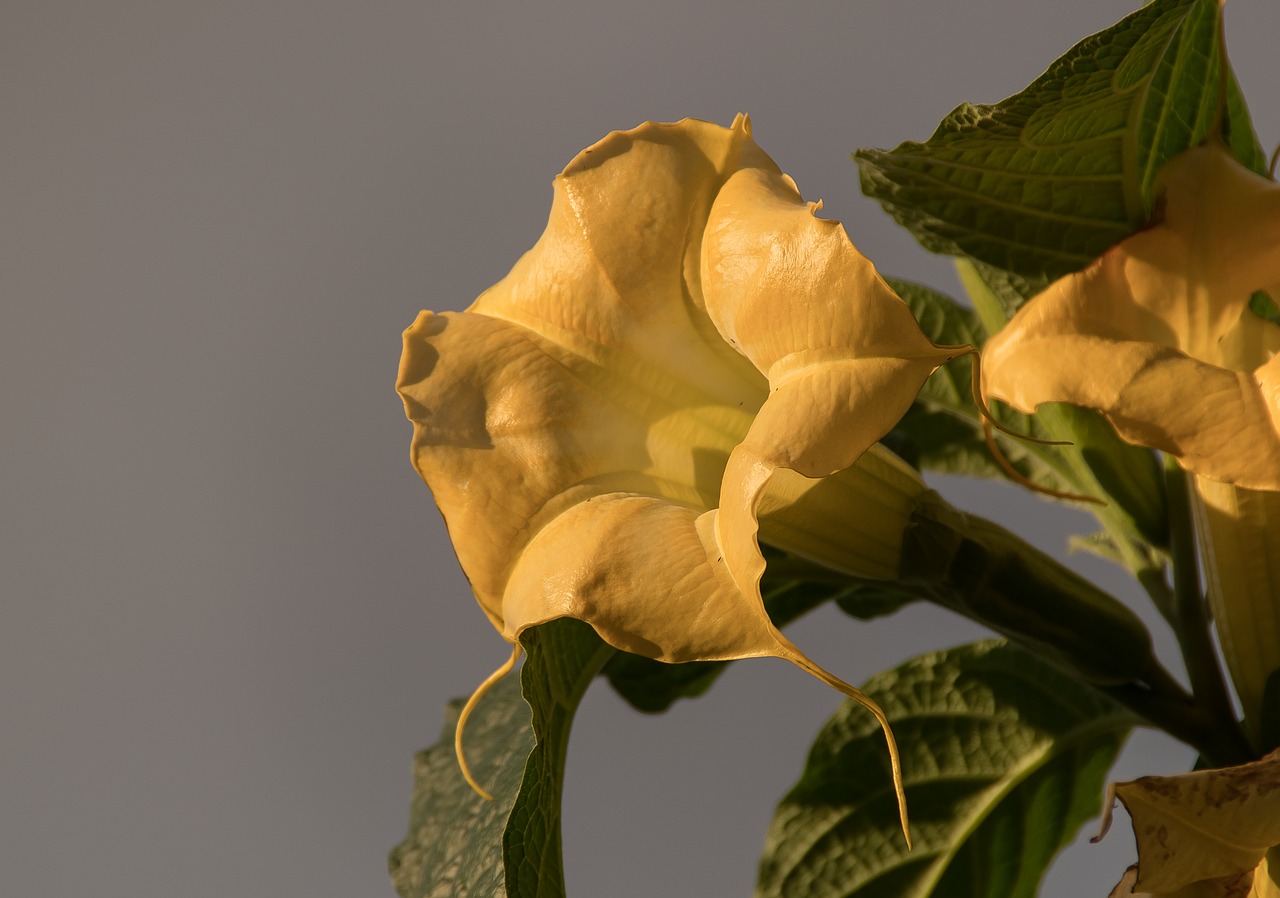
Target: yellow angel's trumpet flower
[
  {"x": 1157, "y": 335},
  {"x": 688, "y": 355}
]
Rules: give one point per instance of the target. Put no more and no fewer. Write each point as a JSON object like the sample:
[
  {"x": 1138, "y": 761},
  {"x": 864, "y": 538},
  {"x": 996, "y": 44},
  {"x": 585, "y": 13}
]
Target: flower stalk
[{"x": 986, "y": 573}]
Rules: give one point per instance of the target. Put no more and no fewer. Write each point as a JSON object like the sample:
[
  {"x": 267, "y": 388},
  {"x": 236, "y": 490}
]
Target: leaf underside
[
  {"x": 454, "y": 845},
  {"x": 461, "y": 846},
  {"x": 1045, "y": 181}
]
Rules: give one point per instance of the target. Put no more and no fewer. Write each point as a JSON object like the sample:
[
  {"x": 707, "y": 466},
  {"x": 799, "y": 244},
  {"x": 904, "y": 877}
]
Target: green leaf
[
  {"x": 455, "y": 836},
  {"x": 1042, "y": 183},
  {"x": 1262, "y": 305},
  {"x": 942, "y": 431},
  {"x": 791, "y": 587},
  {"x": 461, "y": 845},
  {"x": 563, "y": 657},
  {"x": 1007, "y": 291},
  {"x": 1004, "y": 758}
]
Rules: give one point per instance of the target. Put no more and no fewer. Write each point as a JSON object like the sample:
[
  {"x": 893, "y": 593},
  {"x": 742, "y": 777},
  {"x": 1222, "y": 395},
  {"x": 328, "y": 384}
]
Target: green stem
[
  {"x": 1162, "y": 702},
  {"x": 1190, "y": 619},
  {"x": 982, "y": 571}
]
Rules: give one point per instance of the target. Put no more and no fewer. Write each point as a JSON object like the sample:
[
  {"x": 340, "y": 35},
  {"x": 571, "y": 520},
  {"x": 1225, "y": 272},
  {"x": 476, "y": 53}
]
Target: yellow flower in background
[
  {"x": 687, "y": 355},
  {"x": 1157, "y": 334},
  {"x": 1205, "y": 834}
]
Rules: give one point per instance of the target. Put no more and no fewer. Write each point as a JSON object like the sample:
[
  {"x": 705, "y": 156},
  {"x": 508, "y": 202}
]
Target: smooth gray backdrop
[{"x": 228, "y": 611}]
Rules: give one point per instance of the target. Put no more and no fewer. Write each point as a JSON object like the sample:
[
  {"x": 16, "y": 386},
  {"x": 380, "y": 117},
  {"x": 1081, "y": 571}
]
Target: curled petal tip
[
  {"x": 789, "y": 652},
  {"x": 489, "y": 682},
  {"x": 1105, "y": 826}
]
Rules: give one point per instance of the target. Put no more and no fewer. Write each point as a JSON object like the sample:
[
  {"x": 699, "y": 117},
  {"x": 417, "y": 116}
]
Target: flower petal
[
  {"x": 1256, "y": 883},
  {"x": 1239, "y": 532},
  {"x": 593, "y": 367},
  {"x": 844, "y": 356},
  {"x": 1215, "y": 421},
  {"x": 618, "y": 265},
  {"x": 651, "y": 579},
  {"x": 1220, "y": 239},
  {"x": 575, "y": 424},
  {"x": 1208, "y": 824},
  {"x": 1156, "y": 334},
  {"x": 1190, "y": 277},
  {"x": 646, "y": 574},
  {"x": 510, "y": 429}
]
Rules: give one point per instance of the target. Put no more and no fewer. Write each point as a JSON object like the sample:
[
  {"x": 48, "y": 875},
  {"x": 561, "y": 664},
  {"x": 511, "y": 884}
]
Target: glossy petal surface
[
  {"x": 844, "y": 362},
  {"x": 590, "y": 423}
]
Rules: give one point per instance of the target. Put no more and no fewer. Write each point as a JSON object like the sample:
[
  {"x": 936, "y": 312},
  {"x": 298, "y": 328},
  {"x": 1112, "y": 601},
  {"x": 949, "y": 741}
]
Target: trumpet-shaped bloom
[
  {"x": 1157, "y": 334},
  {"x": 687, "y": 355}
]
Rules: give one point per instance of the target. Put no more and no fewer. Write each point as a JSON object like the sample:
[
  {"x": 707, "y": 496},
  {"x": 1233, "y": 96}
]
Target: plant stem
[
  {"x": 1162, "y": 702},
  {"x": 986, "y": 573}
]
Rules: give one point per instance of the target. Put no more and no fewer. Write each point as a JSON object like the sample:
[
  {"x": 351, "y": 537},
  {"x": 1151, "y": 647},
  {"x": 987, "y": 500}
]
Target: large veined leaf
[
  {"x": 454, "y": 845},
  {"x": 1043, "y": 182},
  {"x": 461, "y": 845},
  {"x": 1005, "y": 758}
]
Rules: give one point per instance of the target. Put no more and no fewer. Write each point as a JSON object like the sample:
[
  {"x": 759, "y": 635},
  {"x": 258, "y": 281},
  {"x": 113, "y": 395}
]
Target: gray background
[{"x": 229, "y": 612}]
